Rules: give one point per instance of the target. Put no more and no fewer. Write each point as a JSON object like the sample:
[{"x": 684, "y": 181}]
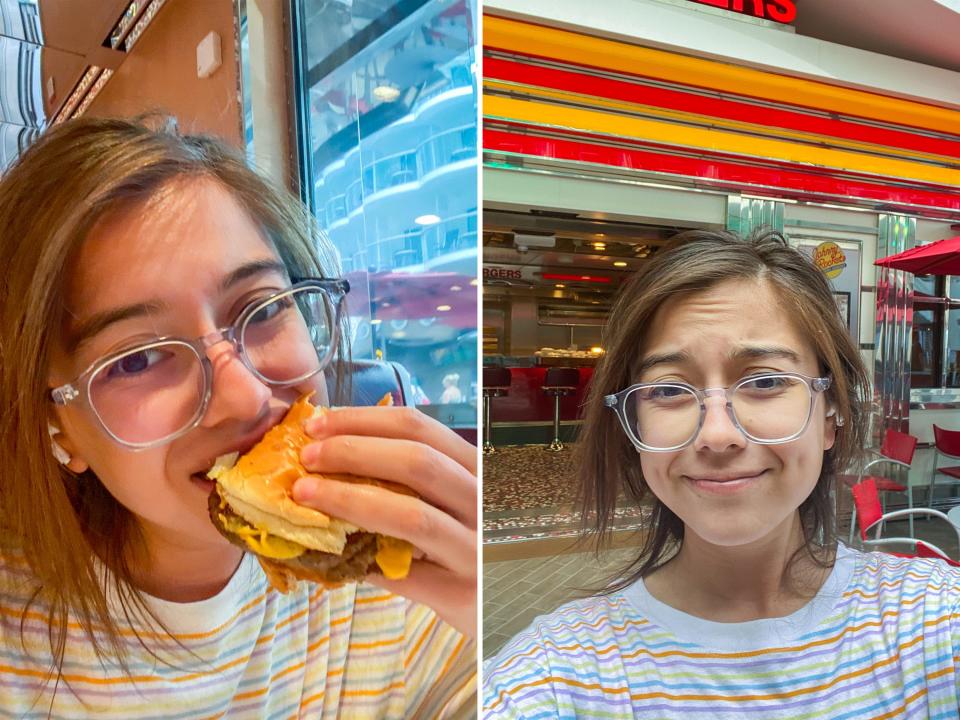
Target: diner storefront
[{"x": 604, "y": 135}]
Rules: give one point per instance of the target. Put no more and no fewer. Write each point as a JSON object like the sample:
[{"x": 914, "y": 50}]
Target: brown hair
[
  {"x": 49, "y": 200},
  {"x": 693, "y": 262}
]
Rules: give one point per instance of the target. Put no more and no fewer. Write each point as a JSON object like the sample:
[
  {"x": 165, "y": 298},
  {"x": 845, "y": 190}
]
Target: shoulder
[
  {"x": 17, "y": 579},
  {"x": 918, "y": 596},
  {"x": 558, "y": 652},
  {"x": 884, "y": 574}
]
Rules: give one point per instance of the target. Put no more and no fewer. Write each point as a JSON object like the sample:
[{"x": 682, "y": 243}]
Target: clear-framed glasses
[
  {"x": 768, "y": 409},
  {"x": 149, "y": 394}
]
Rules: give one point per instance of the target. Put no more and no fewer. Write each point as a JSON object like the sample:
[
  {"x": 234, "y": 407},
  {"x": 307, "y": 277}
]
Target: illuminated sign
[{"x": 781, "y": 11}]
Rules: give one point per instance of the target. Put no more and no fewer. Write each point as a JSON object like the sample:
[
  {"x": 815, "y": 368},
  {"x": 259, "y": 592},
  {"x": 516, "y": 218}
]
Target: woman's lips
[
  {"x": 203, "y": 482},
  {"x": 727, "y": 485}
]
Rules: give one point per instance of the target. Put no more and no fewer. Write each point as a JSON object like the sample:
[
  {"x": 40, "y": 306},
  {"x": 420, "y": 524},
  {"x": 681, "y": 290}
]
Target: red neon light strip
[
  {"x": 785, "y": 176},
  {"x": 575, "y": 278},
  {"x": 570, "y": 81}
]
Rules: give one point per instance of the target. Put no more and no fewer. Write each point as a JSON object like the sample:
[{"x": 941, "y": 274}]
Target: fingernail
[{"x": 310, "y": 454}]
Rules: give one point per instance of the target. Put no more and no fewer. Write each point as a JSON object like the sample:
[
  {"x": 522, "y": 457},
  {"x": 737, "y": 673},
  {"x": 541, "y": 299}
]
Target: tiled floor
[{"x": 529, "y": 492}]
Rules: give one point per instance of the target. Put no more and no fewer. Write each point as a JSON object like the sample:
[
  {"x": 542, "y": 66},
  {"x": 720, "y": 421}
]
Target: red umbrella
[{"x": 937, "y": 258}]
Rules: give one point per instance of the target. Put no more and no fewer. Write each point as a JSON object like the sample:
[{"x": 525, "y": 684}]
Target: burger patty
[{"x": 356, "y": 561}]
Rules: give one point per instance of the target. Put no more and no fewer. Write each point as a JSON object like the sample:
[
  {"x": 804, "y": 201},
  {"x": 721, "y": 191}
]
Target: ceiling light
[
  {"x": 599, "y": 246},
  {"x": 427, "y": 220},
  {"x": 386, "y": 93},
  {"x": 560, "y": 285},
  {"x": 386, "y": 304},
  {"x": 443, "y": 308},
  {"x": 474, "y": 282},
  {"x": 399, "y": 334},
  {"x": 619, "y": 263},
  {"x": 596, "y": 350},
  {"x": 376, "y": 322},
  {"x": 455, "y": 288}
]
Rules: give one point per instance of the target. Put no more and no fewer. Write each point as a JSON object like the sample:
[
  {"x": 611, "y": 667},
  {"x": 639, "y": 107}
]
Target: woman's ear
[
  {"x": 830, "y": 428},
  {"x": 64, "y": 451}
]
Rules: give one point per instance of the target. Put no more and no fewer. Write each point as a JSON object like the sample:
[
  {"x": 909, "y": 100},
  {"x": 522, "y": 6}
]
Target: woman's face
[
  {"x": 184, "y": 264},
  {"x": 727, "y": 490}
]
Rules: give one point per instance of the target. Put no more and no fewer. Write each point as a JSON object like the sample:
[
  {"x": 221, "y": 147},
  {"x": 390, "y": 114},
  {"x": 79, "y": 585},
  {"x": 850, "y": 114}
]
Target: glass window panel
[
  {"x": 391, "y": 93},
  {"x": 953, "y": 347},
  {"x": 954, "y": 286},
  {"x": 924, "y": 285},
  {"x": 925, "y": 351}
]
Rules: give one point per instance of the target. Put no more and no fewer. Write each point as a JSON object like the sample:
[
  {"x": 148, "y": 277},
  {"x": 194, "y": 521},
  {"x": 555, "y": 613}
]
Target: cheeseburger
[{"x": 252, "y": 505}]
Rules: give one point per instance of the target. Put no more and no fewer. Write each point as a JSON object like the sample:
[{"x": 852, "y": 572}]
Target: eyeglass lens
[
  {"x": 770, "y": 408},
  {"x": 153, "y": 392}
]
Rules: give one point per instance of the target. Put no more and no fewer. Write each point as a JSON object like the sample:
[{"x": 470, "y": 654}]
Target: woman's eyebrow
[
  {"x": 746, "y": 352},
  {"x": 99, "y": 322},
  {"x": 754, "y": 352},
  {"x": 251, "y": 269},
  {"x": 674, "y": 358}
]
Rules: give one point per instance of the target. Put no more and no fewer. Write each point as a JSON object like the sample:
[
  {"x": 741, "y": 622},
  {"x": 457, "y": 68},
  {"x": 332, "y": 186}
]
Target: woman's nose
[
  {"x": 237, "y": 394},
  {"x": 719, "y": 432}
]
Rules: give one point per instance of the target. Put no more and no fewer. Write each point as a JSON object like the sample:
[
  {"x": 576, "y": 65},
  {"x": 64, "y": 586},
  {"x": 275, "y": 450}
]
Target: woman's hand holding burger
[{"x": 402, "y": 445}]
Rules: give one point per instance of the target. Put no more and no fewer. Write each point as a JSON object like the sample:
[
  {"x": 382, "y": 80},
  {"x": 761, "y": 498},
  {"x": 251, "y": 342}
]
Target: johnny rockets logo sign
[
  {"x": 830, "y": 259},
  {"x": 781, "y": 11}
]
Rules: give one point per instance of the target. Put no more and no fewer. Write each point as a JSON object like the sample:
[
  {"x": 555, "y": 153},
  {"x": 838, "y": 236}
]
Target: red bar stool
[
  {"x": 496, "y": 383},
  {"x": 947, "y": 443},
  {"x": 559, "y": 382}
]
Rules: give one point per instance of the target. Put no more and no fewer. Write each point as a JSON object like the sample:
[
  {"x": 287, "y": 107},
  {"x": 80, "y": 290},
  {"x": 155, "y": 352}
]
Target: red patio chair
[
  {"x": 866, "y": 498},
  {"x": 947, "y": 443},
  {"x": 897, "y": 449}
]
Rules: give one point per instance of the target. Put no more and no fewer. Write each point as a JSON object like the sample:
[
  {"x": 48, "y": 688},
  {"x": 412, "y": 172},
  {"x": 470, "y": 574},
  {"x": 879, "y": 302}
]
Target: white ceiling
[{"x": 925, "y": 31}]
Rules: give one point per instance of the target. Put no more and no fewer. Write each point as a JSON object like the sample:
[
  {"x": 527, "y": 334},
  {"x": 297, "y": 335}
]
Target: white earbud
[
  {"x": 839, "y": 420},
  {"x": 62, "y": 456}
]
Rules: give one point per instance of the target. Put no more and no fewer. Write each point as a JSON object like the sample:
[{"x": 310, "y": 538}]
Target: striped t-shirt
[
  {"x": 880, "y": 640},
  {"x": 248, "y": 652}
]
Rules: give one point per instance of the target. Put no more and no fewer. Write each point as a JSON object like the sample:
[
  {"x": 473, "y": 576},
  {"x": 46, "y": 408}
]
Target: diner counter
[{"x": 526, "y": 401}]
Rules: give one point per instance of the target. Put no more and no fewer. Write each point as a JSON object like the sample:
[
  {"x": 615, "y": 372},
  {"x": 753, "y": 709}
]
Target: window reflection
[{"x": 392, "y": 99}]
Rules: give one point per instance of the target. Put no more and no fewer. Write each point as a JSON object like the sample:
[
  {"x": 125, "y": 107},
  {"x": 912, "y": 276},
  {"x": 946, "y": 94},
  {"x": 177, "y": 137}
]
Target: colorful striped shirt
[
  {"x": 881, "y": 639},
  {"x": 248, "y": 652}
]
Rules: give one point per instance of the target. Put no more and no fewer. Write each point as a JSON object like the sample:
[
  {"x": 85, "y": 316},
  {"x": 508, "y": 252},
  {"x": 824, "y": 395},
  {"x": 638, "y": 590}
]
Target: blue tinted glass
[{"x": 391, "y": 93}]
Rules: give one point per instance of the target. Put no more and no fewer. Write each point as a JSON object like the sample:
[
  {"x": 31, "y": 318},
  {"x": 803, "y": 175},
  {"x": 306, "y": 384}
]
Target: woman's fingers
[
  {"x": 444, "y": 540},
  {"x": 453, "y": 596},
  {"x": 394, "y": 422},
  {"x": 434, "y": 476}
]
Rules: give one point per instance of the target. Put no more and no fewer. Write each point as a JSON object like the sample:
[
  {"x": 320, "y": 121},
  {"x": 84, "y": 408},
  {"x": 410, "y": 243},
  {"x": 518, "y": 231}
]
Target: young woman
[
  {"x": 139, "y": 269},
  {"x": 730, "y": 395}
]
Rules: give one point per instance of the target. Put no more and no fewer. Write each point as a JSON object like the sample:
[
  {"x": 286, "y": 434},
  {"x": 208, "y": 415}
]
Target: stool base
[
  {"x": 556, "y": 445},
  {"x": 488, "y": 449}
]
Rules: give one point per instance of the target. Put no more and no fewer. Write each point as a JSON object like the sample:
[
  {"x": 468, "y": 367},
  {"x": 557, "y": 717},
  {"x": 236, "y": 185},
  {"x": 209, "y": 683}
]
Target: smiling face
[
  {"x": 727, "y": 490},
  {"x": 184, "y": 264}
]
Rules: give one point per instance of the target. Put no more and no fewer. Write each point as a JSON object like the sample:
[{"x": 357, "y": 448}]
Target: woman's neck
[
  {"x": 737, "y": 584},
  {"x": 166, "y": 567}
]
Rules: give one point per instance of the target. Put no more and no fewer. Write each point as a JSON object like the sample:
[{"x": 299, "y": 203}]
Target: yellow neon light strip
[
  {"x": 679, "y": 115},
  {"x": 597, "y": 121},
  {"x": 512, "y": 35}
]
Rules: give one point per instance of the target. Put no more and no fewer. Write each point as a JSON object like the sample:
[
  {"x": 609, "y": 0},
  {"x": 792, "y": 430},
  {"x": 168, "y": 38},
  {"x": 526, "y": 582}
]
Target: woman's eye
[
  {"x": 135, "y": 363},
  {"x": 271, "y": 310},
  {"x": 664, "y": 392},
  {"x": 767, "y": 383}
]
